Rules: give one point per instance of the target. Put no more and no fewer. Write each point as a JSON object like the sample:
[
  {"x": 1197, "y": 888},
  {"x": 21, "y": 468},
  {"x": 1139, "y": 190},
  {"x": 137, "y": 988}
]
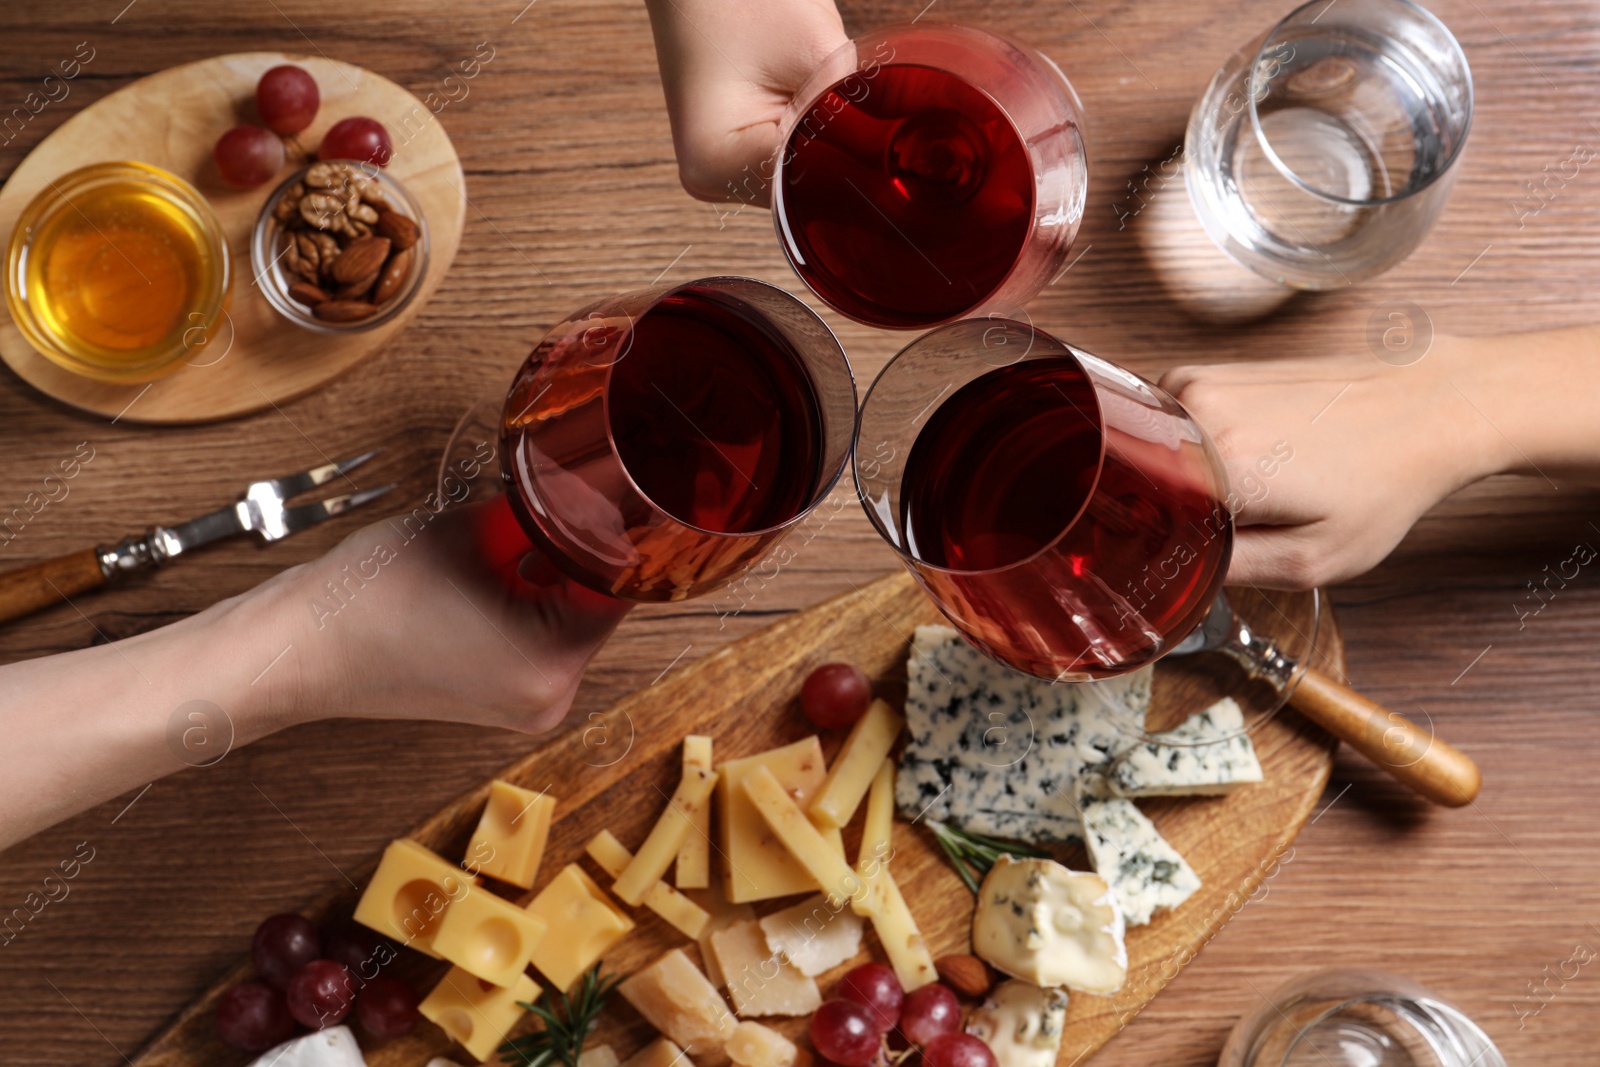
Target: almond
[
  {"x": 967, "y": 975},
  {"x": 307, "y": 293},
  {"x": 393, "y": 276},
  {"x": 361, "y": 257},
  {"x": 343, "y": 310},
  {"x": 357, "y": 289},
  {"x": 397, "y": 228}
]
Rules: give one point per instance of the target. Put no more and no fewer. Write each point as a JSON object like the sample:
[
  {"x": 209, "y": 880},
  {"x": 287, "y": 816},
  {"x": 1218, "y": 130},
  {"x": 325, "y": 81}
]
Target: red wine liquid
[
  {"x": 714, "y": 416},
  {"x": 1114, "y": 559},
  {"x": 908, "y": 205}
]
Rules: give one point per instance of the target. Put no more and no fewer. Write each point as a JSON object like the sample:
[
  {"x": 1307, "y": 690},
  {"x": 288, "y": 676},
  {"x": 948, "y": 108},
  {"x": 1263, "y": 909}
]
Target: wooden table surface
[{"x": 574, "y": 195}]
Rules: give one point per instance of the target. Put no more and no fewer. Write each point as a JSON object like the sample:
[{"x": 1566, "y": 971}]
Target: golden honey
[{"x": 117, "y": 271}]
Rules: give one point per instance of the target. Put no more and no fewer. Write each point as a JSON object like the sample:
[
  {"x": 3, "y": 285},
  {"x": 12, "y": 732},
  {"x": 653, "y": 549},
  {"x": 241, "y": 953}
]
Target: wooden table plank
[{"x": 574, "y": 195}]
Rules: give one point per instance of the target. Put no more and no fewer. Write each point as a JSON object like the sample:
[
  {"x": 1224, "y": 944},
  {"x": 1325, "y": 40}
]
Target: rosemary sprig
[
  {"x": 560, "y": 1040},
  {"x": 973, "y": 854}
]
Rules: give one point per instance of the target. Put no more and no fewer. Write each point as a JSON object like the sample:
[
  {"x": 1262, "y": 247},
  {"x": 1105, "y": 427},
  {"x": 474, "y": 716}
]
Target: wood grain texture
[
  {"x": 618, "y": 773},
  {"x": 573, "y": 195},
  {"x": 171, "y": 120},
  {"x": 42, "y": 584}
]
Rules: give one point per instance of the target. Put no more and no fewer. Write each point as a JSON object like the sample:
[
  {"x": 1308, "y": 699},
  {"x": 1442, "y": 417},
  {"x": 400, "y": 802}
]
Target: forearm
[
  {"x": 86, "y": 726},
  {"x": 1538, "y": 395}
]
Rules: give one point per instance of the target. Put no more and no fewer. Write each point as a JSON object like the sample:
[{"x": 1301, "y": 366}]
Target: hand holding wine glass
[{"x": 729, "y": 69}]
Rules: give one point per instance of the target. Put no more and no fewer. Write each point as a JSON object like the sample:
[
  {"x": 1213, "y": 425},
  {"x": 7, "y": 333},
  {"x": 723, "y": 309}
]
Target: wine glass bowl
[
  {"x": 656, "y": 444},
  {"x": 930, "y": 172},
  {"x": 1065, "y": 515}
]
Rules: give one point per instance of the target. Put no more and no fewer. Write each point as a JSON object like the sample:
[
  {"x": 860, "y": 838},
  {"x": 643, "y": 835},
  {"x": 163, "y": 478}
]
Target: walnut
[
  {"x": 326, "y": 176},
  {"x": 327, "y": 251},
  {"x": 323, "y": 210},
  {"x": 285, "y": 209},
  {"x": 304, "y": 249}
]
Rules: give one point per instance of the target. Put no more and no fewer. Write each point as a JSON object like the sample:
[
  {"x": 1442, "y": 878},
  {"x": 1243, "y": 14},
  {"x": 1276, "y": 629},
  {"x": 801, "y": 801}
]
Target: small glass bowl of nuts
[{"x": 340, "y": 246}]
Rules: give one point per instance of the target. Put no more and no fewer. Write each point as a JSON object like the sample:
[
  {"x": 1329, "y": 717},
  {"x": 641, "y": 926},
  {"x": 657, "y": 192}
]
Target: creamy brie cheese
[
  {"x": 1039, "y": 921},
  {"x": 333, "y": 1047},
  {"x": 1208, "y": 754},
  {"x": 1144, "y": 871},
  {"x": 996, "y": 751},
  {"x": 1021, "y": 1023}
]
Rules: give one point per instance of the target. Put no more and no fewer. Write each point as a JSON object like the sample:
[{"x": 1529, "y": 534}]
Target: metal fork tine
[
  {"x": 298, "y": 518},
  {"x": 294, "y": 484}
]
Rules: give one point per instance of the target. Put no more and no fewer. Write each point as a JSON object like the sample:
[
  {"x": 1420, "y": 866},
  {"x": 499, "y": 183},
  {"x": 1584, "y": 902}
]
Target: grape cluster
[
  {"x": 313, "y": 982},
  {"x": 872, "y": 1013},
  {"x": 286, "y": 101}
]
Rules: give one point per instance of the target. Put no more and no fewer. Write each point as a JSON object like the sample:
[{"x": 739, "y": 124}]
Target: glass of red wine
[
  {"x": 656, "y": 444},
  {"x": 1067, "y": 516},
  {"x": 929, "y": 173}
]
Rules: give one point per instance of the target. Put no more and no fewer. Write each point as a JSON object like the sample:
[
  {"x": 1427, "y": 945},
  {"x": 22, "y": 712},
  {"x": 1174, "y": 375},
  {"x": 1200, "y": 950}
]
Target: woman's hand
[
  {"x": 1332, "y": 461},
  {"x": 729, "y": 68},
  {"x": 445, "y": 616}
]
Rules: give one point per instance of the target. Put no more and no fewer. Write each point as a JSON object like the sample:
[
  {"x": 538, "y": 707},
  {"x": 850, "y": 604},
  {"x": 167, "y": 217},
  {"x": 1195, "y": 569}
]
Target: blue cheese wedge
[
  {"x": 1041, "y": 922},
  {"x": 1208, "y": 754},
  {"x": 334, "y": 1047},
  {"x": 1021, "y": 1023},
  {"x": 996, "y": 751},
  {"x": 1145, "y": 872}
]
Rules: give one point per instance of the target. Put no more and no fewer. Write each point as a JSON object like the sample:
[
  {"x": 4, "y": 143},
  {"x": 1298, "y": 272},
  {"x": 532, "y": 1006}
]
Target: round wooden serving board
[
  {"x": 617, "y": 771},
  {"x": 171, "y": 120}
]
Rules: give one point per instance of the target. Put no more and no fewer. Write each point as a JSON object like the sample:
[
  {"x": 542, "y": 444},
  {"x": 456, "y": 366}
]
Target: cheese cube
[
  {"x": 410, "y": 893},
  {"x": 334, "y": 1047},
  {"x": 760, "y": 981},
  {"x": 680, "y": 1002},
  {"x": 756, "y": 866},
  {"x": 812, "y": 936},
  {"x": 475, "y": 1013},
  {"x": 659, "y": 1053},
  {"x": 1021, "y": 1023},
  {"x": 684, "y": 914},
  {"x": 598, "y": 1056},
  {"x": 754, "y": 1045},
  {"x": 803, "y": 840},
  {"x": 581, "y": 922},
  {"x": 694, "y": 858},
  {"x": 856, "y": 765},
  {"x": 509, "y": 841},
  {"x": 488, "y": 937},
  {"x": 667, "y": 836},
  {"x": 1038, "y": 921}
]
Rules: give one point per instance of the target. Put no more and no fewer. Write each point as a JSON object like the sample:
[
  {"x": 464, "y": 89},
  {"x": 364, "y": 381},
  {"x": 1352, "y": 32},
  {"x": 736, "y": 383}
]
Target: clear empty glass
[
  {"x": 1357, "y": 1019},
  {"x": 1323, "y": 151}
]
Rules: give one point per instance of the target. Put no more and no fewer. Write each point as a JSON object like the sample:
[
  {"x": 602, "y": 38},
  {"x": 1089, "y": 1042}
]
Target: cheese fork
[
  {"x": 263, "y": 508},
  {"x": 1432, "y": 767}
]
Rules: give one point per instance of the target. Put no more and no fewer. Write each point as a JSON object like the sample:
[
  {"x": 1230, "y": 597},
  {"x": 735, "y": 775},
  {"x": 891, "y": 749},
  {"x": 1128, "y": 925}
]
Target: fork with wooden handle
[{"x": 263, "y": 509}]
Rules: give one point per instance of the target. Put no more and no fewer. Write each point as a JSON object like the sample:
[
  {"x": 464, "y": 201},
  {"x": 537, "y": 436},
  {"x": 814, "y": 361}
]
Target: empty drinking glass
[{"x": 1323, "y": 151}]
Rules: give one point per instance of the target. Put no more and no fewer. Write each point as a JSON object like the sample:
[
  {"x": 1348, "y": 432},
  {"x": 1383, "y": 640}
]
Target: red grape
[
  {"x": 835, "y": 695},
  {"x": 359, "y": 949},
  {"x": 287, "y": 99},
  {"x": 252, "y": 1017},
  {"x": 387, "y": 1007},
  {"x": 957, "y": 1050},
  {"x": 359, "y": 138},
  {"x": 247, "y": 156},
  {"x": 320, "y": 994},
  {"x": 282, "y": 945},
  {"x": 875, "y": 985},
  {"x": 844, "y": 1032},
  {"x": 929, "y": 1011}
]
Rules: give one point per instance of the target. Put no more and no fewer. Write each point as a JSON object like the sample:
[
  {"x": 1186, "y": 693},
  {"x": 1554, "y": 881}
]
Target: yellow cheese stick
[
  {"x": 694, "y": 858},
  {"x": 667, "y": 836},
  {"x": 684, "y": 914},
  {"x": 897, "y": 932},
  {"x": 858, "y": 761},
  {"x": 877, "y": 827},
  {"x": 804, "y": 842}
]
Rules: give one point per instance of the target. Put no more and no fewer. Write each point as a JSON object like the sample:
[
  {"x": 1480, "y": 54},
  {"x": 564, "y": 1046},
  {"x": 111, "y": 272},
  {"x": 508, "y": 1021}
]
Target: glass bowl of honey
[{"x": 117, "y": 271}]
